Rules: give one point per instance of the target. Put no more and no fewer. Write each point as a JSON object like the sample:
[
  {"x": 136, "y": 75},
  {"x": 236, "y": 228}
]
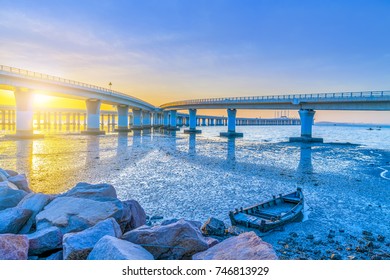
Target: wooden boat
[{"x": 270, "y": 214}]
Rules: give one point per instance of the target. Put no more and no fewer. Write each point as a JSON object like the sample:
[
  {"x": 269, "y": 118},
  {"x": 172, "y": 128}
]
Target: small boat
[{"x": 270, "y": 214}]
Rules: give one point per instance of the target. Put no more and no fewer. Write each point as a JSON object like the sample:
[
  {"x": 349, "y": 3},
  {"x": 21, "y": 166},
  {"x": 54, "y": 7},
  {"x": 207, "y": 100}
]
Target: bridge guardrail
[
  {"x": 289, "y": 98},
  {"x": 46, "y": 77}
]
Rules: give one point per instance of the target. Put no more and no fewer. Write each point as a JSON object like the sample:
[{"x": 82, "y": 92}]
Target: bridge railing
[
  {"x": 281, "y": 98},
  {"x": 32, "y": 74}
]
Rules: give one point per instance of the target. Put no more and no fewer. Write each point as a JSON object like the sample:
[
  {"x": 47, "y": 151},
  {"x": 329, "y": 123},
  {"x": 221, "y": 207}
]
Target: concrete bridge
[{"x": 306, "y": 104}]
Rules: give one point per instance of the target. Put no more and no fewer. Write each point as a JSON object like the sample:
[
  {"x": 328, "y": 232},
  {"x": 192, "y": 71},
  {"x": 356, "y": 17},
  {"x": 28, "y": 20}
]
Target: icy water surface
[{"x": 346, "y": 182}]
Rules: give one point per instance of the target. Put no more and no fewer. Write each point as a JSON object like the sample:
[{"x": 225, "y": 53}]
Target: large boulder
[
  {"x": 13, "y": 247},
  {"x": 45, "y": 240},
  {"x": 178, "y": 240},
  {"x": 136, "y": 215},
  {"x": 9, "y": 197},
  {"x": 78, "y": 245},
  {"x": 246, "y": 246},
  {"x": 214, "y": 226},
  {"x": 111, "y": 248},
  {"x": 13, "y": 219},
  {"x": 4, "y": 175},
  {"x": 72, "y": 214},
  {"x": 196, "y": 224},
  {"x": 90, "y": 191},
  {"x": 34, "y": 202},
  {"x": 11, "y": 172},
  {"x": 20, "y": 181}
]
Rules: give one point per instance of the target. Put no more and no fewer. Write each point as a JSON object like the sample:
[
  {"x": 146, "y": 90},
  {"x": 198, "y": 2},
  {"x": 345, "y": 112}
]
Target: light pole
[{"x": 110, "y": 84}]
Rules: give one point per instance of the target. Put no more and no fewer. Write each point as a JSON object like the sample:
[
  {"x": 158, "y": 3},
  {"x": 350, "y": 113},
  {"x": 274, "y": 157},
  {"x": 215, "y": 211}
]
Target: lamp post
[{"x": 110, "y": 84}]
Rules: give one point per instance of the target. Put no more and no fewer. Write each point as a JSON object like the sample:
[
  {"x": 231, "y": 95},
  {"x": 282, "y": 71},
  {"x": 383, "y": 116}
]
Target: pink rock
[
  {"x": 246, "y": 246},
  {"x": 13, "y": 247}
]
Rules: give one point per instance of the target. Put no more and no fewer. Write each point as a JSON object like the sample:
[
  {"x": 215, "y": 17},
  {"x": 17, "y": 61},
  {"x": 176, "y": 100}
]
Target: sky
[{"x": 167, "y": 50}]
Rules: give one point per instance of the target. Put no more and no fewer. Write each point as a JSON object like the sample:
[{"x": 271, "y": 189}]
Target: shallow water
[{"x": 195, "y": 177}]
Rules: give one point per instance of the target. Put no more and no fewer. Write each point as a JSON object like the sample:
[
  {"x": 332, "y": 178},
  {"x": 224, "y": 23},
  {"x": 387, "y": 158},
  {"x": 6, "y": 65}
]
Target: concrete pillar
[
  {"x": 93, "y": 111},
  {"x": 146, "y": 122},
  {"x": 173, "y": 120},
  {"x": 212, "y": 122},
  {"x": 123, "y": 120},
  {"x": 192, "y": 121},
  {"x": 203, "y": 121},
  {"x": 24, "y": 114},
  {"x": 136, "y": 119},
  {"x": 306, "y": 116},
  {"x": 192, "y": 144},
  {"x": 231, "y": 125},
  {"x": 102, "y": 120},
  {"x": 39, "y": 120},
  {"x": 166, "y": 119},
  {"x": 112, "y": 119},
  {"x": 180, "y": 121}
]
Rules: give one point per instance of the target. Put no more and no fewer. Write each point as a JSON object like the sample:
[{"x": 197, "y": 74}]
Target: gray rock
[
  {"x": 20, "y": 181},
  {"x": 9, "y": 197},
  {"x": 72, "y": 214},
  {"x": 57, "y": 256},
  {"x": 196, "y": 224},
  {"x": 211, "y": 241},
  {"x": 214, "y": 226},
  {"x": 34, "y": 202},
  {"x": 13, "y": 219},
  {"x": 246, "y": 246},
  {"x": 78, "y": 245},
  {"x": 111, "y": 248},
  {"x": 174, "y": 241},
  {"x": 335, "y": 256},
  {"x": 90, "y": 191},
  {"x": 137, "y": 215},
  {"x": 13, "y": 247},
  {"x": 4, "y": 175},
  {"x": 44, "y": 240},
  {"x": 11, "y": 172}
]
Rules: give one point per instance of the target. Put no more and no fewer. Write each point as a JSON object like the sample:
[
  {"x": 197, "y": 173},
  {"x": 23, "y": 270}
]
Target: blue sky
[{"x": 169, "y": 50}]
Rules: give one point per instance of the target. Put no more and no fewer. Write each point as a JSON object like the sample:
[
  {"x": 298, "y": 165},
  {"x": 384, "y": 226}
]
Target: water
[{"x": 345, "y": 181}]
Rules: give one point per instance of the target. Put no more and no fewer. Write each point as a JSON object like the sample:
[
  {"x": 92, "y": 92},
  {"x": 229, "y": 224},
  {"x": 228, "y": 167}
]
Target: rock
[
  {"x": 76, "y": 214},
  {"x": 137, "y": 215},
  {"x": 44, "y": 240},
  {"x": 293, "y": 234},
  {"x": 370, "y": 245},
  {"x": 89, "y": 191},
  {"x": 11, "y": 172},
  {"x": 196, "y": 224},
  {"x": 156, "y": 217},
  {"x": 310, "y": 236},
  {"x": 360, "y": 249},
  {"x": 13, "y": 219},
  {"x": 246, "y": 246},
  {"x": 335, "y": 257},
  {"x": 111, "y": 248},
  {"x": 214, "y": 227},
  {"x": 367, "y": 233},
  {"x": 4, "y": 175},
  {"x": 20, "y": 181},
  {"x": 380, "y": 238},
  {"x": 211, "y": 241},
  {"x": 174, "y": 241},
  {"x": 34, "y": 202},
  {"x": 9, "y": 197},
  {"x": 331, "y": 234},
  {"x": 352, "y": 257},
  {"x": 234, "y": 230},
  {"x": 13, "y": 247},
  {"x": 376, "y": 257},
  {"x": 9, "y": 185},
  {"x": 78, "y": 245},
  {"x": 369, "y": 238},
  {"x": 57, "y": 256}
]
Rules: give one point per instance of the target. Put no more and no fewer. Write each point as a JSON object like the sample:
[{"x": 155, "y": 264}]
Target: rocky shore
[{"x": 89, "y": 222}]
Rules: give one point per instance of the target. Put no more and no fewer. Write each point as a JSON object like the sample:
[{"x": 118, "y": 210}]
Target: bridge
[
  {"x": 24, "y": 84},
  {"x": 306, "y": 104}
]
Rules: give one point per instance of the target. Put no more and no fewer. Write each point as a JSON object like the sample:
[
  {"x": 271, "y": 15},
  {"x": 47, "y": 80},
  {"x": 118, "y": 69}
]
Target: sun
[{"x": 41, "y": 99}]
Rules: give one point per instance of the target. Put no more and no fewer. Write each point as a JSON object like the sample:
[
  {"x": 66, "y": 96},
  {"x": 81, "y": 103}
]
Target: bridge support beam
[
  {"x": 231, "y": 125},
  {"x": 136, "y": 119},
  {"x": 24, "y": 115},
  {"x": 123, "y": 119},
  {"x": 173, "y": 121},
  {"x": 93, "y": 117},
  {"x": 307, "y": 116},
  {"x": 192, "y": 128},
  {"x": 166, "y": 119}
]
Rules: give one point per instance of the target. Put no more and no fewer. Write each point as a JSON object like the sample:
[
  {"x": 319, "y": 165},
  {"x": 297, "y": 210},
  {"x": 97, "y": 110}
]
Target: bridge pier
[
  {"x": 123, "y": 120},
  {"x": 172, "y": 121},
  {"x": 136, "y": 119},
  {"x": 93, "y": 117},
  {"x": 24, "y": 115},
  {"x": 231, "y": 125},
  {"x": 192, "y": 127},
  {"x": 306, "y": 116},
  {"x": 146, "y": 121}
]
